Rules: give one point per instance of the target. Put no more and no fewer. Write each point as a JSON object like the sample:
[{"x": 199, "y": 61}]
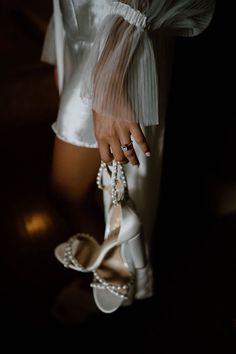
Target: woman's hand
[
  {"x": 114, "y": 131},
  {"x": 111, "y": 135}
]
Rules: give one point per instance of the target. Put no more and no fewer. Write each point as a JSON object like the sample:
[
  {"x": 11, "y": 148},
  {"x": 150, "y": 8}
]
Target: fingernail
[{"x": 148, "y": 154}]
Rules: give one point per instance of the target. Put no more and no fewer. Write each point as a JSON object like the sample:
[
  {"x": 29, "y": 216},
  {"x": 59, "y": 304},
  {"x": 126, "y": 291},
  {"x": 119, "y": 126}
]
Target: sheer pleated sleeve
[{"x": 120, "y": 76}]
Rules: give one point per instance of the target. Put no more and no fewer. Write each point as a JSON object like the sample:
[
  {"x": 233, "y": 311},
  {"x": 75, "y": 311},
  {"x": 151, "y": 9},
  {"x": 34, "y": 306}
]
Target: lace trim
[{"x": 134, "y": 17}]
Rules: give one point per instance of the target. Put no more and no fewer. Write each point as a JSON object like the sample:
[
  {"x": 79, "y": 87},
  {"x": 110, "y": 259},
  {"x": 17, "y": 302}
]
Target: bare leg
[{"x": 73, "y": 178}]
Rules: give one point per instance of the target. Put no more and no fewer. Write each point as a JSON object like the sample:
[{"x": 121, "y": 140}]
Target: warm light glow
[{"x": 35, "y": 224}]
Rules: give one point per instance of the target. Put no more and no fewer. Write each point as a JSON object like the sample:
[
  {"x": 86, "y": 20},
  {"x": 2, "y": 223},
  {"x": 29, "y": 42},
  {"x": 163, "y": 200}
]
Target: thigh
[{"x": 74, "y": 170}]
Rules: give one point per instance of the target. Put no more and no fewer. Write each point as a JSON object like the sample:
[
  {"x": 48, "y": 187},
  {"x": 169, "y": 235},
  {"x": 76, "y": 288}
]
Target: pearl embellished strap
[
  {"x": 118, "y": 290},
  {"x": 69, "y": 258},
  {"x": 134, "y": 17},
  {"x": 117, "y": 174}
]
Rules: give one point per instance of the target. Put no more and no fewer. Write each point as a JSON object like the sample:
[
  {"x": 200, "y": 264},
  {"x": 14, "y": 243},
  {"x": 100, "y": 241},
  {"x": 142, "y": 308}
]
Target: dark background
[{"x": 194, "y": 245}]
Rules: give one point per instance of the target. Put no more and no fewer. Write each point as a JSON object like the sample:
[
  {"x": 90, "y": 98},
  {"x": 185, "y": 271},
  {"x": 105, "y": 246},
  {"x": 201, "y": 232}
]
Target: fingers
[
  {"x": 140, "y": 139},
  {"x": 112, "y": 149},
  {"x": 111, "y": 135},
  {"x": 105, "y": 152},
  {"x": 117, "y": 152},
  {"x": 130, "y": 154},
  {"x": 132, "y": 157}
]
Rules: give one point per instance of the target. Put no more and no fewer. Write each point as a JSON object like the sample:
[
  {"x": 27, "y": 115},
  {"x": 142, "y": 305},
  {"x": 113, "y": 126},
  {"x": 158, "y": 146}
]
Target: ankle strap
[{"x": 116, "y": 173}]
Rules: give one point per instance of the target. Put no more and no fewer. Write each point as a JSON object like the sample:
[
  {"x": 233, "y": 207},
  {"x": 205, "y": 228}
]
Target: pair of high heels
[{"x": 115, "y": 261}]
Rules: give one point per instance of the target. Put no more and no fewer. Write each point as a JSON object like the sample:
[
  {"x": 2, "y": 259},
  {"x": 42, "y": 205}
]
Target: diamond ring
[{"x": 127, "y": 147}]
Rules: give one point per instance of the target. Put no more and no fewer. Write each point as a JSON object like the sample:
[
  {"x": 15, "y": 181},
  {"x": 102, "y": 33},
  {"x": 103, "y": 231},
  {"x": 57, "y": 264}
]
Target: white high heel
[
  {"x": 114, "y": 280},
  {"x": 82, "y": 252},
  {"x": 116, "y": 262}
]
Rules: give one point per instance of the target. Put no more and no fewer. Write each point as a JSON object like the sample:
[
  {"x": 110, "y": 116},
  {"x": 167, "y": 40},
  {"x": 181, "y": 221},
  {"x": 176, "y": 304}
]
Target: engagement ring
[{"x": 127, "y": 147}]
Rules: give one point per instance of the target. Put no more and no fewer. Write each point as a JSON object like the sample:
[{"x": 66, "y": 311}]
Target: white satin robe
[{"x": 74, "y": 121}]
